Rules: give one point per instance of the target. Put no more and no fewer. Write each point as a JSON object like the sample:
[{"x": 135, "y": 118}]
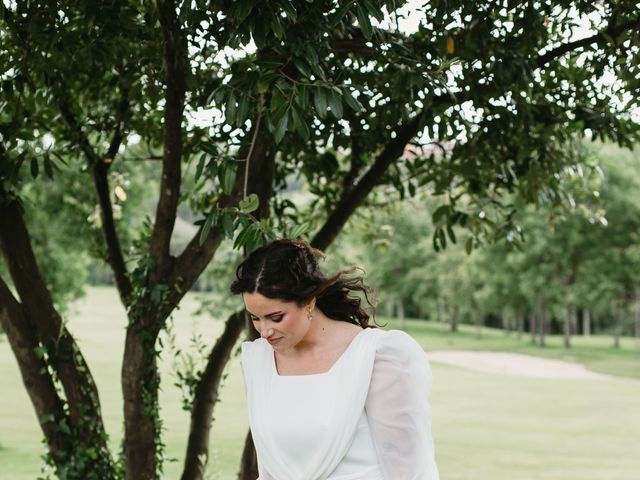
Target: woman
[{"x": 329, "y": 396}]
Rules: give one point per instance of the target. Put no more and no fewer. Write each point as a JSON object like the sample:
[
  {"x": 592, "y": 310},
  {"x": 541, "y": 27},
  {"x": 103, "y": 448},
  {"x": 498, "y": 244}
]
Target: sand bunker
[{"x": 514, "y": 364}]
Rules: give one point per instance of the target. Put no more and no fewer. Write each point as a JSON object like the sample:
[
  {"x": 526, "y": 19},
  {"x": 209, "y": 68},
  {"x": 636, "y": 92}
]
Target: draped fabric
[{"x": 340, "y": 425}]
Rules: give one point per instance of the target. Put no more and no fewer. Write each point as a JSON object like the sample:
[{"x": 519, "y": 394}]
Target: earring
[{"x": 309, "y": 316}]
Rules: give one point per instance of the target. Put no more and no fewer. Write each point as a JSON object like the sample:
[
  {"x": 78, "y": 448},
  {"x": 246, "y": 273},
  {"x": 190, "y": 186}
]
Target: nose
[{"x": 266, "y": 331}]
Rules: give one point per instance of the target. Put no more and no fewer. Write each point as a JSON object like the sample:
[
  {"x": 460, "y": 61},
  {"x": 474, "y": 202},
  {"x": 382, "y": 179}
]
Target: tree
[{"x": 488, "y": 96}]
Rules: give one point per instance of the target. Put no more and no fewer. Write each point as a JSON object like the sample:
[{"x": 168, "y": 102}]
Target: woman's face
[{"x": 283, "y": 323}]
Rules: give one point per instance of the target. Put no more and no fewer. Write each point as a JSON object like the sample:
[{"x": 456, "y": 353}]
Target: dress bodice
[{"x": 316, "y": 427}]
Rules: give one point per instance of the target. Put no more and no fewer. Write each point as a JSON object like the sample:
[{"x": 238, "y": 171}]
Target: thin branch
[
  {"x": 100, "y": 168},
  {"x": 348, "y": 203},
  {"x": 612, "y": 31},
  {"x": 175, "y": 73},
  {"x": 112, "y": 241},
  {"x": 248, "y": 159},
  {"x": 118, "y": 135},
  {"x": 76, "y": 132}
]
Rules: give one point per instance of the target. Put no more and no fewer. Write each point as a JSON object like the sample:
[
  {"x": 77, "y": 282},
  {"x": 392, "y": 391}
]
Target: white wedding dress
[{"x": 367, "y": 418}]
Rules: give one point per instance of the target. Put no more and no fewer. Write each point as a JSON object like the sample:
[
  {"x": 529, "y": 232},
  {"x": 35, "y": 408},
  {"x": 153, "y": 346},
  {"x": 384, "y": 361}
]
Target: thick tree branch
[
  {"x": 260, "y": 182},
  {"x": 206, "y": 397},
  {"x": 112, "y": 241},
  {"x": 63, "y": 353},
  {"x": 175, "y": 73},
  {"x": 195, "y": 257},
  {"x": 100, "y": 169},
  {"x": 612, "y": 31},
  {"x": 35, "y": 374},
  {"x": 348, "y": 204}
]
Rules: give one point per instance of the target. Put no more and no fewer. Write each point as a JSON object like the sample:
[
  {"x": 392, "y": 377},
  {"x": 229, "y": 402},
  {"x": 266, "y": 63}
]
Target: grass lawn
[{"x": 486, "y": 426}]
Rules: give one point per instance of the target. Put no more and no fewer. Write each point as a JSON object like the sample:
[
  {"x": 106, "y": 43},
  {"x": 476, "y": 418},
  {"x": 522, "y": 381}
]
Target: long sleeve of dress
[{"x": 398, "y": 410}]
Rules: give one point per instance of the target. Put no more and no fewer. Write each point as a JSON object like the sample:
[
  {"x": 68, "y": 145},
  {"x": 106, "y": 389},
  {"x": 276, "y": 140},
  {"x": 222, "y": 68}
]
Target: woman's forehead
[{"x": 258, "y": 303}]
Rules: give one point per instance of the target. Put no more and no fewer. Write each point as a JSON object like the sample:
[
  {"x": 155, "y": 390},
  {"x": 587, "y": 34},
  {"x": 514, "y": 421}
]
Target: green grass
[
  {"x": 596, "y": 352},
  {"x": 486, "y": 426}
]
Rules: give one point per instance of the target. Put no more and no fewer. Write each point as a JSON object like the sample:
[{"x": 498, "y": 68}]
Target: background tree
[{"x": 489, "y": 95}]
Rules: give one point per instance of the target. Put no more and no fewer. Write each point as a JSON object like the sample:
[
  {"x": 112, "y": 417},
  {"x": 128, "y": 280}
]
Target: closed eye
[{"x": 273, "y": 319}]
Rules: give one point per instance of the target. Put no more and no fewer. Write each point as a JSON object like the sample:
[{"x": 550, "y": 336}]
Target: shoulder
[
  {"x": 398, "y": 351},
  {"x": 252, "y": 350},
  {"x": 397, "y": 342}
]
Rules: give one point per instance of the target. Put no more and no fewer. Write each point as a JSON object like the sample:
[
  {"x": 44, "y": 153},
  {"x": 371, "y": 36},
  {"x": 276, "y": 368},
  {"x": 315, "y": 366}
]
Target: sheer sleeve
[{"x": 398, "y": 410}]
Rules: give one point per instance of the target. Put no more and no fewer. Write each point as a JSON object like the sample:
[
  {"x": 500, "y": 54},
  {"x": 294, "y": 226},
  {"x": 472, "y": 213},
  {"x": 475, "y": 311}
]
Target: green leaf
[
  {"x": 340, "y": 13},
  {"x": 364, "y": 22},
  {"x": 34, "y": 168},
  {"x": 249, "y": 204},
  {"x": 243, "y": 109},
  {"x": 320, "y": 102},
  {"x": 227, "y": 224},
  {"x": 230, "y": 109},
  {"x": 48, "y": 166},
  {"x": 469, "y": 245},
  {"x": 335, "y": 103},
  {"x": 303, "y": 98},
  {"x": 299, "y": 230},
  {"x": 211, "y": 220},
  {"x": 210, "y": 148},
  {"x": 302, "y": 67},
  {"x": 311, "y": 54},
  {"x": 200, "y": 167},
  {"x": 299, "y": 124},
  {"x": 452, "y": 235},
  {"x": 442, "y": 237},
  {"x": 281, "y": 127},
  {"x": 440, "y": 214},
  {"x": 228, "y": 179},
  {"x": 373, "y": 10},
  {"x": 276, "y": 27},
  {"x": 354, "y": 104}
]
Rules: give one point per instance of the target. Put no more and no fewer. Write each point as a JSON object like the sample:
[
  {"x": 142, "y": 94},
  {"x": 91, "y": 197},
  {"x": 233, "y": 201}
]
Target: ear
[{"x": 312, "y": 304}]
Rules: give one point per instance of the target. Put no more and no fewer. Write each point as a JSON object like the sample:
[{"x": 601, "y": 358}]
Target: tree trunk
[
  {"x": 455, "y": 317},
  {"x": 249, "y": 460},
  {"x": 568, "y": 321},
  {"x": 400, "y": 314},
  {"x": 35, "y": 374},
  {"x": 617, "y": 327},
  {"x": 520, "y": 323},
  {"x": 140, "y": 382},
  {"x": 478, "y": 320},
  {"x": 504, "y": 321},
  {"x": 574, "y": 321},
  {"x": 60, "y": 349},
  {"x": 388, "y": 306},
  {"x": 206, "y": 396},
  {"x": 541, "y": 320},
  {"x": 586, "y": 323},
  {"x": 442, "y": 311},
  {"x": 636, "y": 321},
  {"x": 533, "y": 327}
]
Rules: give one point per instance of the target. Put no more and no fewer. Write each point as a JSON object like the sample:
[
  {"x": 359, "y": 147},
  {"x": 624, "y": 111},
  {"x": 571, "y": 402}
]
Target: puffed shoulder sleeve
[{"x": 398, "y": 409}]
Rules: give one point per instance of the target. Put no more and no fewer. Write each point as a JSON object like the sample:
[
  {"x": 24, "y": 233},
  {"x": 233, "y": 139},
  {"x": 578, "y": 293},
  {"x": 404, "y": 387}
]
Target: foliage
[{"x": 484, "y": 102}]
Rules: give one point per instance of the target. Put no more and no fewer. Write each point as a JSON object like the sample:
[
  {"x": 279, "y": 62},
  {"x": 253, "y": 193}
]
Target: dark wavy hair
[{"x": 288, "y": 270}]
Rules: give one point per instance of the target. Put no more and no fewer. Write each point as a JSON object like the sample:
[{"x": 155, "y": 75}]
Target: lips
[{"x": 274, "y": 341}]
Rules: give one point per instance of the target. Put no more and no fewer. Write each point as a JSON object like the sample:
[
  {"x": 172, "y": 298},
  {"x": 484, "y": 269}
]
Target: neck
[{"x": 320, "y": 331}]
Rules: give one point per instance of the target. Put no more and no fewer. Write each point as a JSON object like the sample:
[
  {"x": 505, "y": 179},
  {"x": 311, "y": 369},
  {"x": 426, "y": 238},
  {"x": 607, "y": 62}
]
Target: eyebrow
[{"x": 267, "y": 315}]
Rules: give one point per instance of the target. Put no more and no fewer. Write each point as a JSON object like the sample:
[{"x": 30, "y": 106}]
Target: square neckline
[{"x": 321, "y": 374}]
